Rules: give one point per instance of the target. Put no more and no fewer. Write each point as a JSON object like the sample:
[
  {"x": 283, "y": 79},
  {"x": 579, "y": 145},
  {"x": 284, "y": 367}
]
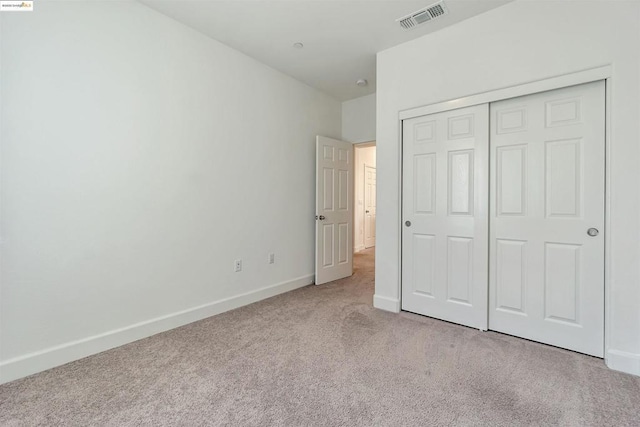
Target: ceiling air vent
[{"x": 423, "y": 15}]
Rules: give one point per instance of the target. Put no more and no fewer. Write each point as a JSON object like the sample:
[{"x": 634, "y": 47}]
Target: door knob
[
  {"x": 366, "y": 211},
  {"x": 407, "y": 223},
  {"x": 593, "y": 232},
  {"x": 322, "y": 218}
]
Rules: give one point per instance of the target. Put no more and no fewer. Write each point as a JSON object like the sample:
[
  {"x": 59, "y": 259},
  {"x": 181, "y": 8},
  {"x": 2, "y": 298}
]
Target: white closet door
[
  {"x": 547, "y": 192},
  {"x": 445, "y": 220}
]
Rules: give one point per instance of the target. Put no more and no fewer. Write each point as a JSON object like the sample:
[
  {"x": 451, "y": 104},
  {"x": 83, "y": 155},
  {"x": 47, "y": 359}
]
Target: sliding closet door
[
  {"x": 547, "y": 219},
  {"x": 445, "y": 220}
]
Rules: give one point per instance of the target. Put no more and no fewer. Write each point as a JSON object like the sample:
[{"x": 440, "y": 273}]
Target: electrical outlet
[
  {"x": 238, "y": 265},
  {"x": 272, "y": 258}
]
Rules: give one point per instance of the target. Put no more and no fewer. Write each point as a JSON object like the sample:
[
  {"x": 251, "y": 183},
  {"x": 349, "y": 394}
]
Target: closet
[{"x": 503, "y": 216}]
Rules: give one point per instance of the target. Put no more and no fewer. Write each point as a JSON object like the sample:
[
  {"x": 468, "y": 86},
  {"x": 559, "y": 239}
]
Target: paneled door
[
  {"x": 444, "y": 214},
  {"x": 369, "y": 206},
  {"x": 547, "y": 220},
  {"x": 334, "y": 209}
]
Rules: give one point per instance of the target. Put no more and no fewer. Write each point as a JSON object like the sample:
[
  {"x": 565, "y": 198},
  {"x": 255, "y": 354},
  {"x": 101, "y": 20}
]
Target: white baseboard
[
  {"x": 624, "y": 361},
  {"x": 39, "y": 361},
  {"x": 386, "y": 303},
  {"x": 358, "y": 248}
]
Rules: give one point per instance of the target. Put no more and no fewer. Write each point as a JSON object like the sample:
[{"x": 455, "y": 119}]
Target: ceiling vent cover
[{"x": 423, "y": 15}]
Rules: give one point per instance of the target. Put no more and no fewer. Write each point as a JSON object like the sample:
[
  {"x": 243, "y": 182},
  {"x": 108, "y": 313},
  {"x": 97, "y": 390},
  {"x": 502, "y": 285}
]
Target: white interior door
[
  {"x": 547, "y": 192},
  {"x": 334, "y": 209},
  {"x": 444, "y": 202},
  {"x": 369, "y": 206}
]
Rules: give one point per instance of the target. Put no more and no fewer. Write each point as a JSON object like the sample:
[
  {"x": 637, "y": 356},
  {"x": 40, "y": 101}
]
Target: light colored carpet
[{"x": 322, "y": 355}]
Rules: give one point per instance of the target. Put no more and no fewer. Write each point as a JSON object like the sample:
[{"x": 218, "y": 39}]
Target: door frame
[
  {"x": 556, "y": 82},
  {"x": 356, "y": 146}
]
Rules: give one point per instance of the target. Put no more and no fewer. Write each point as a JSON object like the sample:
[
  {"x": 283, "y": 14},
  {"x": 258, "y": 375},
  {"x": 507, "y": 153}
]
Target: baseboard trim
[
  {"x": 358, "y": 248},
  {"x": 386, "y": 303},
  {"x": 39, "y": 361},
  {"x": 624, "y": 361}
]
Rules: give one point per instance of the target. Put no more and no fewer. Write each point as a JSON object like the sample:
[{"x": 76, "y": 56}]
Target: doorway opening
[{"x": 364, "y": 210}]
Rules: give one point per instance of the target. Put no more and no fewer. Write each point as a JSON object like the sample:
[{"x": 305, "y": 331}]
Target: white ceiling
[{"x": 341, "y": 37}]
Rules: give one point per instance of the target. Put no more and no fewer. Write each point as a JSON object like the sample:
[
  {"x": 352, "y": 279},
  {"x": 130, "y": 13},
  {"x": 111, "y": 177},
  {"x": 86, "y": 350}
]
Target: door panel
[
  {"x": 334, "y": 212},
  {"x": 511, "y": 185},
  {"x": 510, "y": 277},
  {"x": 547, "y": 190},
  {"x": 445, "y": 255},
  {"x": 370, "y": 207}
]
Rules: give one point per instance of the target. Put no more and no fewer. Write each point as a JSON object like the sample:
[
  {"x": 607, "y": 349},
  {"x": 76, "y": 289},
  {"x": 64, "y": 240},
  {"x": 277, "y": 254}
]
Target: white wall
[
  {"x": 519, "y": 43},
  {"x": 364, "y": 156},
  {"x": 359, "y": 119},
  {"x": 139, "y": 159}
]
